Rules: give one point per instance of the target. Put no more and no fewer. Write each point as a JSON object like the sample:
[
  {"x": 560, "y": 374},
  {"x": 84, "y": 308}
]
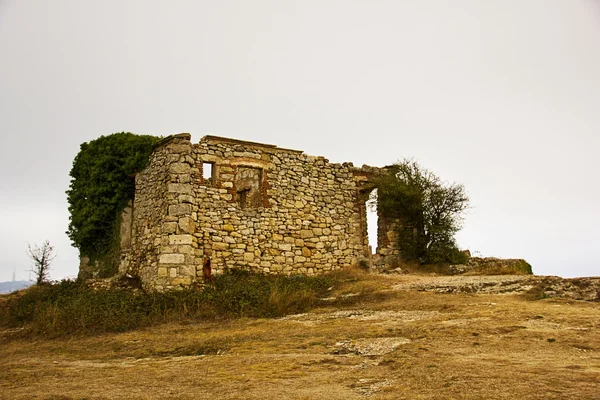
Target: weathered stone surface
[
  {"x": 220, "y": 246},
  {"x": 169, "y": 227},
  {"x": 171, "y": 258},
  {"x": 179, "y": 168},
  {"x": 264, "y": 209},
  {"x": 182, "y": 188},
  {"x": 187, "y": 225},
  {"x": 180, "y": 239},
  {"x": 180, "y": 210},
  {"x": 305, "y": 234},
  {"x": 285, "y": 246}
]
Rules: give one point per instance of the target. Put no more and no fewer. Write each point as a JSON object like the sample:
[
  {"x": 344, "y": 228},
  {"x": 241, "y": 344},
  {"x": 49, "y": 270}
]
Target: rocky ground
[
  {"x": 540, "y": 286},
  {"x": 393, "y": 336}
]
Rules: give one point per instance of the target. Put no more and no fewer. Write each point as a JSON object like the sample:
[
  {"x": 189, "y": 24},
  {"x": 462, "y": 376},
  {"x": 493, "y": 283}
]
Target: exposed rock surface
[
  {"x": 369, "y": 347},
  {"x": 542, "y": 286},
  {"x": 492, "y": 265}
]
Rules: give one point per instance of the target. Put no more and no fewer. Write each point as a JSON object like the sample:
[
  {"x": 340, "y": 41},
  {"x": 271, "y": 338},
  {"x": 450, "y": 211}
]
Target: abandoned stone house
[{"x": 247, "y": 206}]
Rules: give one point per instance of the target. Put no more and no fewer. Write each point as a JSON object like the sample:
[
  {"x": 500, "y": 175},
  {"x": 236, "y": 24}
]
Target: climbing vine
[{"x": 102, "y": 182}]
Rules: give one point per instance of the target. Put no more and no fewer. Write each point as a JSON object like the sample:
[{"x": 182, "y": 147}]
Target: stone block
[
  {"x": 181, "y": 239},
  {"x": 285, "y": 246},
  {"x": 305, "y": 234},
  {"x": 248, "y": 256},
  {"x": 220, "y": 246},
  {"x": 184, "y": 281},
  {"x": 182, "y": 188},
  {"x": 180, "y": 148},
  {"x": 185, "y": 249},
  {"x": 171, "y": 259},
  {"x": 169, "y": 227},
  {"x": 186, "y": 198},
  {"x": 228, "y": 228},
  {"x": 179, "y": 168},
  {"x": 277, "y": 237},
  {"x": 187, "y": 225},
  {"x": 184, "y": 178},
  {"x": 179, "y": 210},
  {"x": 276, "y": 267},
  {"x": 279, "y": 259}
]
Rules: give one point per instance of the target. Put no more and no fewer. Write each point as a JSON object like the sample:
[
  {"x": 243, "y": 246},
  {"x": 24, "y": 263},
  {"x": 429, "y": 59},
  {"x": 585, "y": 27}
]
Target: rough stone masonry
[{"x": 248, "y": 206}]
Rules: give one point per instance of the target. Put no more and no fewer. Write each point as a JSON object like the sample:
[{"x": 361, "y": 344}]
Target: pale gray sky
[{"x": 501, "y": 95}]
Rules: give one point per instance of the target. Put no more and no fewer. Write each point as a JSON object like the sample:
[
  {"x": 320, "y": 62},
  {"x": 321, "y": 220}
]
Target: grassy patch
[{"x": 67, "y": 307}]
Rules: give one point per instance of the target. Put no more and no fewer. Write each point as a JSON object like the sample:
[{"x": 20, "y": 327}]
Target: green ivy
[{"x": 102, "y": 182}]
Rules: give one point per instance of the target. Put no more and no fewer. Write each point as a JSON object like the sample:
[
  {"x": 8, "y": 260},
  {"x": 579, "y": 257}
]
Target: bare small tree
[{"x": 41, "y": 257}]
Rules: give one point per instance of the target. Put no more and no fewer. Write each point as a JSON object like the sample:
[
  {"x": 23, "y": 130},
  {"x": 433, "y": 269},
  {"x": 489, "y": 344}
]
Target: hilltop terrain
[{"x": 393, "y": 337}]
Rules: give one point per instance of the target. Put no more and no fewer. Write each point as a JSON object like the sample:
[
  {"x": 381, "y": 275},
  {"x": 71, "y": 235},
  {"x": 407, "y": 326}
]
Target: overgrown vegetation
[
  {"x": 429, "y": 212},
  {"x": 68, "y": 307},
  {"x": 101, "y": 185}
]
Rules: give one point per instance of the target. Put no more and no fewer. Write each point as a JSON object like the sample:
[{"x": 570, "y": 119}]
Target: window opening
[
  {"x": 243, "y": 197},
  {"x": 248, "y": 183},
  {"x": 208, "y": 170},
  {"x": 372, "y": 221}
]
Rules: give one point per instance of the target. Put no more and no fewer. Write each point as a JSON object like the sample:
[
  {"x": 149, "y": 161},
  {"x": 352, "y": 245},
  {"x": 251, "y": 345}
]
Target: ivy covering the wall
[{"x": 102, "y": 182}]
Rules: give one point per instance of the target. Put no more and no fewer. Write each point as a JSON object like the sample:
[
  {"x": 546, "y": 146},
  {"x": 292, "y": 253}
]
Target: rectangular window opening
[
  {"x": 248, "y": 182},
  {"x": 208, "y": 173},
  {"x": 243, "y": 198}
]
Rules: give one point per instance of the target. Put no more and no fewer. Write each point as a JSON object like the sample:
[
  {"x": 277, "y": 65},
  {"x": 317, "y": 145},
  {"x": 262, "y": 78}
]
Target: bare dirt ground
[{"x": 397, "y": 337}]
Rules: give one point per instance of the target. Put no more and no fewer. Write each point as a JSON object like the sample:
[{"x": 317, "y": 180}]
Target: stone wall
[
  {"x": 263, "y": 208},
  {"x": 154, "y": 201}
]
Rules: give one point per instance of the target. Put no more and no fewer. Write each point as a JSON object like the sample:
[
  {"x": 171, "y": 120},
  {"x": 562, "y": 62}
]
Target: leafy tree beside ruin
[
  {"x": 429, "y": 212},
  {"x": 101, "y": 185}
]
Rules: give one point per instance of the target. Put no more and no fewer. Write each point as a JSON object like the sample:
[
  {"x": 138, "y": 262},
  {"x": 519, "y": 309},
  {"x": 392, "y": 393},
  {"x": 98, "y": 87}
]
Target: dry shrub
[
  {"x": 349, "y": 273},
  {"x": 67, "y": 307}
]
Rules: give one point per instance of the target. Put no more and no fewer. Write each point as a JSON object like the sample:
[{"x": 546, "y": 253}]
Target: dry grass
[{"x": 382, "y": 343}]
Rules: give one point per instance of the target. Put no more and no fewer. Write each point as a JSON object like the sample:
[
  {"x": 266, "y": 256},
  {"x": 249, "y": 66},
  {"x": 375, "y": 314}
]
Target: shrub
[{"x": 429, "y": 212}]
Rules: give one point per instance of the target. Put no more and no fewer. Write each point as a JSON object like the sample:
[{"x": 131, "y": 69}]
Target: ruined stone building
[{"x": 248, "y": 206}]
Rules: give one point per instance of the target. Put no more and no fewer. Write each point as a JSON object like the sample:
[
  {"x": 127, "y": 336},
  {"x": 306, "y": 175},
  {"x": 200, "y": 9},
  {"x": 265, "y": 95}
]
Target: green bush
[
  {"x": 69, "y": 307},
  {"x": 428, "y": 211},
  {"x": 101, "y": 185}
]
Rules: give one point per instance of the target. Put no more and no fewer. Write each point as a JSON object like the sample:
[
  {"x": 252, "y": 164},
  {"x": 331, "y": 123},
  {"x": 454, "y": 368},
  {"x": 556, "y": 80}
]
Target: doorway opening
[{"x": 372, "y": 221}]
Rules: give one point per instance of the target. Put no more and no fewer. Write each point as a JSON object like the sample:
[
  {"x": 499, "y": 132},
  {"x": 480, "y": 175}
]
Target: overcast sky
[{"x": 500, "y": 95}]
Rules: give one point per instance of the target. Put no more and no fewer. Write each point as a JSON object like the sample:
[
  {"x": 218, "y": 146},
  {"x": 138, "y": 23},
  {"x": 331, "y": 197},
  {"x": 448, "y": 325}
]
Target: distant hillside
[{"x": 7, "y": 287}]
